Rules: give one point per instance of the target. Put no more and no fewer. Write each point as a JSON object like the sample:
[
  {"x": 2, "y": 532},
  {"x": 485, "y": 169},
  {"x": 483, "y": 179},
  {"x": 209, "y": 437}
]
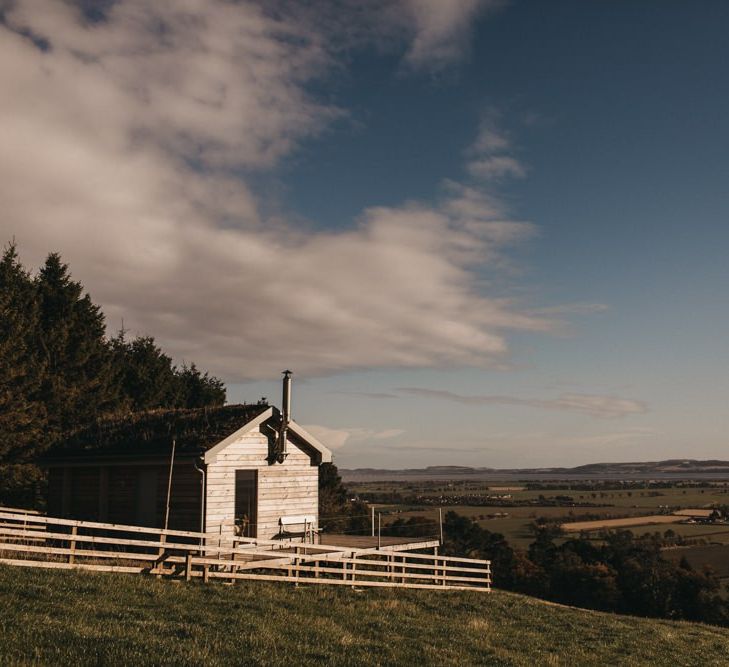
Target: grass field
[
  {"x": 81, "y": 618},
  {"x": 715, "y": 556}
]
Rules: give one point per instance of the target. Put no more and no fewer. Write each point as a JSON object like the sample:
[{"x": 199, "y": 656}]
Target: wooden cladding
[{"x": 127, "y": 494}]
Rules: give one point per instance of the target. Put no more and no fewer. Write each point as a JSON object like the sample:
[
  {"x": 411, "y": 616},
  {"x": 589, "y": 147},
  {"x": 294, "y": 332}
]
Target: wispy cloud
[
  {"x": 496, "y": 167},
  {"x": 491, "y": 155},
  {"x": 336, "y": 438},
  {"x": 595, "y": 405},
  {"x": 379, "y": 395},
  {"x": 442, "y": 28}
]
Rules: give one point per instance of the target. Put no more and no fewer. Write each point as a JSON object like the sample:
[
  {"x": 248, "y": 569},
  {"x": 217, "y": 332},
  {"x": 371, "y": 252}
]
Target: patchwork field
[
  {"x": 628, "y": 522},
  {"x": 512, "y": 509}
]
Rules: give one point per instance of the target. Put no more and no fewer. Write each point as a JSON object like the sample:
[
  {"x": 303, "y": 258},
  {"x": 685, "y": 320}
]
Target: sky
[{"x": 480, "y": 232}]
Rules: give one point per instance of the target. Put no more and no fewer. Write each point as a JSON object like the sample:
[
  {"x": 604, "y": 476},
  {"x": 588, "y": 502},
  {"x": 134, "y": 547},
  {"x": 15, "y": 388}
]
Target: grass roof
[{"x": 152, "y": 432}]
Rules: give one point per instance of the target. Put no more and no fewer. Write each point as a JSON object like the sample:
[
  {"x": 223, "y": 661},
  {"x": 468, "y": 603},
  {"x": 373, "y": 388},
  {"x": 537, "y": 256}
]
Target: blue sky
[{"x": 570, "y": 157}]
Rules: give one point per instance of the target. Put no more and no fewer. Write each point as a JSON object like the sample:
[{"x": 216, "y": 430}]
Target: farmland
[
  {"x": 84, "y": 618},
  {"x": 512, "y": 509}
]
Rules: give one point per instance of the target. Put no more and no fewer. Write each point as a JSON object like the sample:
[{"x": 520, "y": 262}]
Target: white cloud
[
  {"x": 122, "y": 146},
  {"x": 595, "y": 405},
  {"x": 442, "y": 29},
  {"x": 490, "y": 154},
  {"x": 496, "y": 167},
  {"x": 336, "y": 438}
]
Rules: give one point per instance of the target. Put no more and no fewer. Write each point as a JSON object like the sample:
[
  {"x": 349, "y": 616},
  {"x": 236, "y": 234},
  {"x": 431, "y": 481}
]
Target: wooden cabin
[{"x": 238, "y": 469}]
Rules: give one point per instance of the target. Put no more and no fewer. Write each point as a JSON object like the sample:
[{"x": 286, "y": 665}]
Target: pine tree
[
  {"x": 198, "y": 390},
  {"x": 148, "y": 379},
  {"x": 22, "y": 419},
  {"x": 79, "y": 383}
]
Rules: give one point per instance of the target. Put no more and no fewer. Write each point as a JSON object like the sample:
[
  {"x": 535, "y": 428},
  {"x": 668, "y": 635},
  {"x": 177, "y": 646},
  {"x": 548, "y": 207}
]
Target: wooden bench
[{"x": 302, "y": 525}]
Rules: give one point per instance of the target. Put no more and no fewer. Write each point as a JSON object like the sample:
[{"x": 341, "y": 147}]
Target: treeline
[
  {"x": 620, "y": 574},
  {"x": 59, "y": 371}
]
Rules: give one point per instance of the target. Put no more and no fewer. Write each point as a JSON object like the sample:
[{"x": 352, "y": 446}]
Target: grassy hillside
[{"x": 51, "y": 617}]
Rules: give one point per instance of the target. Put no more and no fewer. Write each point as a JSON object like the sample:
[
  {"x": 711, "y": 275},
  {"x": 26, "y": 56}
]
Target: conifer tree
[
  {"x": 198, "y": 390},
  {"x": 79, "y": 383},
  {"x": 22, "y": 416}
]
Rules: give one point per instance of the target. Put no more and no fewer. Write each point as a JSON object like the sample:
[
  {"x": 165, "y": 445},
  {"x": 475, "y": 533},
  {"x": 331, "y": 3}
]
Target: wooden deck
[{"x": 368, "y": 542}]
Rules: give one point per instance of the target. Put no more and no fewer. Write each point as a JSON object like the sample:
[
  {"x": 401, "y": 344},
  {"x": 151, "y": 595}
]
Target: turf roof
[{"x": 152, "y": 432}]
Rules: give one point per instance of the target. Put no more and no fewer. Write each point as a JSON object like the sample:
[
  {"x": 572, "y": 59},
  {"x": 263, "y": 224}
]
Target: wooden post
[
  {"x": 296, "y": 565},
  {"x": 233, "y": 568},
  {"x": 440, "y": 523},
  {"x": 379, "y": 529},
  {"x": 373, "y": 520},
  {"x": 354, "y": 567},
  {"x": 188, "y": 566},
  {"x": 72, "y": 544},
  {"x": 435, "y": 565},
  {"x": 206, "y": 573},
  {"x": 160, "y": 555},
  {"x": 169, "y": 484}
]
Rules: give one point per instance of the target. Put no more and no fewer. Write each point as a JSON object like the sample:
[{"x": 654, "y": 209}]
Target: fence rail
[{"x": 32, "y": 540}]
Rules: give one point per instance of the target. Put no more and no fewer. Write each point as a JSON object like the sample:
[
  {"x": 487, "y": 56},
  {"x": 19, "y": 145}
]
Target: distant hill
[
  {"x": 671, "y": 468},
  {"x": 64, "y": 618}
]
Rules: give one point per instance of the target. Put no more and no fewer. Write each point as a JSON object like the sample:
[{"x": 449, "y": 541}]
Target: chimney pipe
[
  {"x": 286, "y": 400},
  {"x": 285, "y": 415}
]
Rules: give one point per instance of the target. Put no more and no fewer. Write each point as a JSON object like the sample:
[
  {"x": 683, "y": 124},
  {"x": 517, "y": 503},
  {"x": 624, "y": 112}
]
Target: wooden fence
[{"x": 32, "y": 540}]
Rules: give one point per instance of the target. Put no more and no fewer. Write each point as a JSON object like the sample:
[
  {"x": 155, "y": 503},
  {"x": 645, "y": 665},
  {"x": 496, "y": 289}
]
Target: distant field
[
  {"x": 717, "y": 533},
  {"x": 717, "y": 557},
  {"x": 516, "y": 527},
  {"x": 69, "y": 618},
  {"x": 577, "y": 526}
]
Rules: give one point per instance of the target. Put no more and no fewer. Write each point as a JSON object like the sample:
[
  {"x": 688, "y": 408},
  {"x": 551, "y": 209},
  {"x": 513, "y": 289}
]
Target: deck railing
[{"x": 32, "y": 540}]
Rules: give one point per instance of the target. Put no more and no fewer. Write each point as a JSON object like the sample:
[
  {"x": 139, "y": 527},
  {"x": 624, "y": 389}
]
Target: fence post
[
  {"x": 188, "y": 566},
  {"x": 160, "y": 555},
  {"x": 72, "y": 544},
  {"x": 233, "y": 568},
  {"x": 354, "y": 567}
]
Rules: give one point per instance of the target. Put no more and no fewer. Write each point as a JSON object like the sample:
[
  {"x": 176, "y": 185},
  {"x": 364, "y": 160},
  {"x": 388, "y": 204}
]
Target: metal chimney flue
[
  {"x": 286, "y": 399},
  {"x": 285, "y": 416}
]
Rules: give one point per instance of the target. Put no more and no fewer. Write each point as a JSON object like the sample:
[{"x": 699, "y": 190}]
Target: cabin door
[
  {"x": 246, "y": 502},
  {"x": 147, "y": 497}
]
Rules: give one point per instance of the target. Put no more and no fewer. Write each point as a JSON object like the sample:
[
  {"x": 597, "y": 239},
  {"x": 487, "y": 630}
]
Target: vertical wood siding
[{"x": 284, "y": 489}]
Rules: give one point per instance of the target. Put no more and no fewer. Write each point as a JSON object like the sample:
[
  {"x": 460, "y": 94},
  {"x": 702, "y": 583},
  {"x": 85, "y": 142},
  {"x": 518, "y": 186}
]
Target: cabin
[{"x": 247, "y": 470}]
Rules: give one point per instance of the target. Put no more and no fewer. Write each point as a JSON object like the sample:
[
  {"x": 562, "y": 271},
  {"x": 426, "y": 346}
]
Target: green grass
[{"x": 49, "y": 617}]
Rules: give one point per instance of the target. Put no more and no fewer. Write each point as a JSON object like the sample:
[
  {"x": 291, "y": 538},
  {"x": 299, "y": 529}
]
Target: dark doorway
[
  {"x": 246, "y": 502},
  {"x": 147, "y": 497}
]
